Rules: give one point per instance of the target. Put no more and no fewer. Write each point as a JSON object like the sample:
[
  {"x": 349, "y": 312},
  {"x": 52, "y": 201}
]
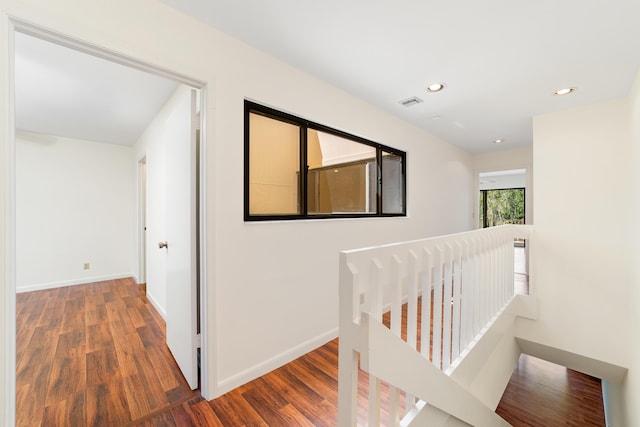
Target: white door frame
[
  {"x": 10, "y": 25},
  {"x": 142, "y": 219}
]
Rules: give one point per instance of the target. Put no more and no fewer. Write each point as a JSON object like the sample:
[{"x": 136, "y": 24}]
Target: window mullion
[
  {"x": 379, "y": 181},
  {"x": 304, "y": 172}
]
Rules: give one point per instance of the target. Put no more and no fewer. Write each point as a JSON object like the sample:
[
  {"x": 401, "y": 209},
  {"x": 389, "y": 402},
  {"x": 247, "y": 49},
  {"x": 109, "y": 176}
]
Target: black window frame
[{"x": 305, "y": 125}]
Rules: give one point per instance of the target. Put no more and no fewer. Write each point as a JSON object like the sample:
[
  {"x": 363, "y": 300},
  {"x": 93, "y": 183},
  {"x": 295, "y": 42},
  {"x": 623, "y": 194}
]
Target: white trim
[
  {"x": 141, "y": 220},
  {"x": 63, "y": 283},
  {"x": 275, "y": 362},
  {"x": 205, "y": 390},
  {"x": 157, "y": 306},
  {"x": 9, "y": 245},
  {"x": 54, "y": 36}
]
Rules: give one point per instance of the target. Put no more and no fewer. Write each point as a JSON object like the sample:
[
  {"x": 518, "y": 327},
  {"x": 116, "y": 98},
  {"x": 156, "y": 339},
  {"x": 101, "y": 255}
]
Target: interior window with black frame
[{"x": 343, "y": 175}]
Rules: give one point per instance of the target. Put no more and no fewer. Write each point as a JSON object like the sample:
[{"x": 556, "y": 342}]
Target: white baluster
[
  {"x": 396, "y": 328},
  {"x": 413, "y": 278},
  {"x": 446, "y": 306},
  {"x": 425, "y": 325},
  {"x": 466, "y": 291},
  {"x": 437, "y": 308},
  {"x": 375, "y": 307},
  {"x": 456, "y": 323}
]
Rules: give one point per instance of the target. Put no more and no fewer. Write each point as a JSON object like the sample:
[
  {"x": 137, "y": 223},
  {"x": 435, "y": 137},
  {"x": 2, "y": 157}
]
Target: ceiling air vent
[{"x": 411, "y": 101}]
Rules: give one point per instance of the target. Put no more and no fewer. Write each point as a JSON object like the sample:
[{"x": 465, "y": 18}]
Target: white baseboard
[
  {"x": 62, "y": 283},
  {"x": 157, "y": 306},
  {"x": 269, "y": 365}
]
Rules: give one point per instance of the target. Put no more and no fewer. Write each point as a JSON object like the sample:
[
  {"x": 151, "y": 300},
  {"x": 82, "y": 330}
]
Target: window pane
[
  {"x": 481, "y": 209},
  {"x": 505, "y": 206},
  {"x": 392, "y": 184},
  {"x": 274, "y": 166},
  {"x": 341, "y": 176}
]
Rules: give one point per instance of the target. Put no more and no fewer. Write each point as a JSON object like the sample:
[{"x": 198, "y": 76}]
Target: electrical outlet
[{"x": 87, "y": 265}]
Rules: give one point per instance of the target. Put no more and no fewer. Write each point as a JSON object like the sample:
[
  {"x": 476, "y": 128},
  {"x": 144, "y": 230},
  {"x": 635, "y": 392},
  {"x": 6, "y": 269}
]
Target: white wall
[
  {"x": 152, "y": 146},
  {"x": 74, "y": 205},
  {"x": 516, "y": 158},
  {"x": 632, "y": 385},
  {"x": 272, "y": 287},
  {"x": 582, "y": 254}
]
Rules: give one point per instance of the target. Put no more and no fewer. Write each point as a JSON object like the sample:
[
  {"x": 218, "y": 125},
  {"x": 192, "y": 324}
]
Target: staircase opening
[{"x": 542, "y": 393}]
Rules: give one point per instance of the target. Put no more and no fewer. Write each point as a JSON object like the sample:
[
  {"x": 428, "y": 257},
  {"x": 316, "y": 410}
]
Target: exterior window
[
  {"x": 343, "y": 175},
  {"x": 498, "y": 207}
]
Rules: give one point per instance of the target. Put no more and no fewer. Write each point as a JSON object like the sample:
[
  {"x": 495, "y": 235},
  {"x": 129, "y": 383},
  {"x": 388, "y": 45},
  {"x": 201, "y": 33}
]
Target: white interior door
[{"x": 181, "y": 249}]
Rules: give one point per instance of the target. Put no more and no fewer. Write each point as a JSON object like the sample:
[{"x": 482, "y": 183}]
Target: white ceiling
[
  {"x": 500, "y": 180},
  {"x": 63, "y": 92},
  {"x": 500, "y": 59}
]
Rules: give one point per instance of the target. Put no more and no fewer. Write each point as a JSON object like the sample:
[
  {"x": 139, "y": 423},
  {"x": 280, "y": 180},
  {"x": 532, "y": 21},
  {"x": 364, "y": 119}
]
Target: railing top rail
[{"x": 516, "y": 230}]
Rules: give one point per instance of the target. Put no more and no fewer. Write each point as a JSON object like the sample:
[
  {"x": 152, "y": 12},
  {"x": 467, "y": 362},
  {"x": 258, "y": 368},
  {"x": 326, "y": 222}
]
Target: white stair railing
[{"x": 450, "y": 286}]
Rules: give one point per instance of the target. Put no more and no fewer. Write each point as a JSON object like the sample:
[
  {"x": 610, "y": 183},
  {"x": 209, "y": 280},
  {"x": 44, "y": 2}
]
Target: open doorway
[
  {"x": 502, "y": 200},
  {"x": 38, "y": 141}
]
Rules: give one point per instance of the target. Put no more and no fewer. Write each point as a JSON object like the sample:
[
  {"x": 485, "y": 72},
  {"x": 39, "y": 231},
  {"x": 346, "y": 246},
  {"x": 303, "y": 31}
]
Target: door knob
[{"x": 163, "y": 245}]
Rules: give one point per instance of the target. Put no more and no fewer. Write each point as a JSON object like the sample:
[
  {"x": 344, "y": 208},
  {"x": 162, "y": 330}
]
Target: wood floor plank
[
  {"x": 165, "y": 419},
  {"x": 148, "y": 375},
  {"x": 30, "y": 405},
  {"x": 204, "y": 415},
  {"x": 102, "y": 366},
  {"x": 265, "y": 401},
  {"x": 73, "y": 316},
  {"x": 134, "y": 314},
  {"x": 69, "y": 412},
  {"x": 291, "y": 416},
  {"x": 55, "y": 414},
  {"x": 183, "y": 415},
  {"x": 107, "y": 404},
  {"x": 98, "y": 336},
  {"x": 233, "y": 410},
  {"x": 95, "y": 314},
  {"x": 71, "y": 344},
  {"x": 305, "y": 400},
  {"x": 67, "y": 378},
  {"x": 162, "y": 361},
  {"x": 138, "y": 400}
]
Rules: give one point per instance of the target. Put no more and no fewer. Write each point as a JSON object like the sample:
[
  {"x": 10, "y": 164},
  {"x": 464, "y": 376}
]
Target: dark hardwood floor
[
  {"x": 95, "y": 355},
  {"x": 543, "y": 394},
  {"x": 92, "y": 354}
]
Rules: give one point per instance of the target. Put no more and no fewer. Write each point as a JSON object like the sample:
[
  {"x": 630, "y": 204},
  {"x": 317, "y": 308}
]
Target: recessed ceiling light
[
  {"x": 436, "y": 87},
  {"x": 564, "y": 91},
  {"x": 498, "y": 141}
]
